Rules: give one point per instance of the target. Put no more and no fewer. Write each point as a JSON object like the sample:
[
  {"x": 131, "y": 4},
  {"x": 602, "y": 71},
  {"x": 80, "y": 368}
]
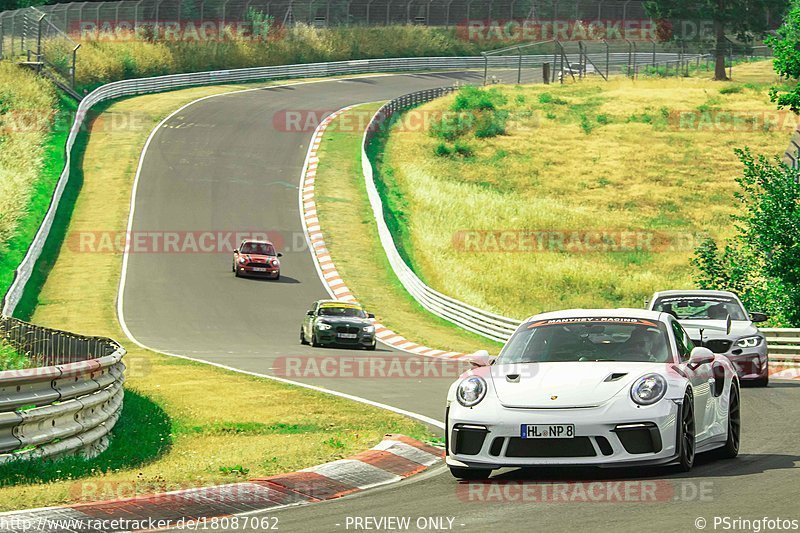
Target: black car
[{"x": 331, "y": 322}]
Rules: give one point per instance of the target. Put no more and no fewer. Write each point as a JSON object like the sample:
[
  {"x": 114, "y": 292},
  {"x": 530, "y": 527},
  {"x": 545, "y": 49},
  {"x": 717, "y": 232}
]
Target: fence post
[
  {"x": 74, "y": 62},
  {"x": 2, "y": 35},
  {"x": 654, "y": 52},
  {"x": 39, "y": 38},
  {"x": 546, "y": 73},
  {"x": 608, "y": 57},
  {"x": 485, "y": 67},
  {"x": 519, "y": 66}
]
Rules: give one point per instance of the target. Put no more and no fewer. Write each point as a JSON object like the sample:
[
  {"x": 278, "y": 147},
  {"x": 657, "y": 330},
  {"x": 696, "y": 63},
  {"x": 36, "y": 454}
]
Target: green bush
[
  {"x": 547, "y": 98},
  {"x": 450, "y": 128},
  {"x": 463, "y": 149},
  {"x": 472, "y": 98},
  {"x": 731, "y": 89},
  {"x": 491, "y": 124},
  {"x": 442, "y": 150}
]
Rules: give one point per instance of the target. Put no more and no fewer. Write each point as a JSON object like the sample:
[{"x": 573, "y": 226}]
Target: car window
[
  {"x": 258, "y": 248},
  {"x": 578, "y": 339},
  {"x": 681, "y": 339},
  {"x": 342, "y": 311},
  {"x": 690, "y": 307}
]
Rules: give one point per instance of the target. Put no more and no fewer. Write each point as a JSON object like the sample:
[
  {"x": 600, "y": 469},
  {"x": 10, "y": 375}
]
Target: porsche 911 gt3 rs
[{"x": 620, "y": 387}]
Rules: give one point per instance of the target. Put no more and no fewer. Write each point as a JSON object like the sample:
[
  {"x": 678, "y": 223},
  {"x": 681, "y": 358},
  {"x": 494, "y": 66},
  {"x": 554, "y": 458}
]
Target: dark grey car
[
  {"x": 704, "y": 315},
  {"x": 333, "y": 322}
]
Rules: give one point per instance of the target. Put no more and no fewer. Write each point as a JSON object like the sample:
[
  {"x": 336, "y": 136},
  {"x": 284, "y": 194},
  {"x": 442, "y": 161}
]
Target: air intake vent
[{"x": 615, "y": 376}]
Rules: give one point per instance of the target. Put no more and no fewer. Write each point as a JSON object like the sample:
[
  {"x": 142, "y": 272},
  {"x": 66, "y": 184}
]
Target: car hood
[
  {"x": 715, "y": 329},
  {"x": 344, "y": 321},
  {"x": 564, "y": 385},
  {"x": 258, "y": 258}
]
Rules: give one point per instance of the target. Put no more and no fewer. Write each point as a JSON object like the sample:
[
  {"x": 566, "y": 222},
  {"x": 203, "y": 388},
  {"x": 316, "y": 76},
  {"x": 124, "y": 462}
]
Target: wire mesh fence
[{"x": 47, "y": 347}]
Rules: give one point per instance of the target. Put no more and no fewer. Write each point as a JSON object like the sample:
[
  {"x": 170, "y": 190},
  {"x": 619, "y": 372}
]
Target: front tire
[
  {"x": 761, "y": 382},
  {"x": 372, "y": 346},
  {"x": 731, "y": 448},
  {"x": 687, "y": 435},
  {"x": 303, "y": 336},
  {"x": 470, "y": 474},
  {"x": 314, "y": 341}
]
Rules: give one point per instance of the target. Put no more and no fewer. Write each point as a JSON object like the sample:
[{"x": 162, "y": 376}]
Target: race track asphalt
[{"x": 226, "y": 164}]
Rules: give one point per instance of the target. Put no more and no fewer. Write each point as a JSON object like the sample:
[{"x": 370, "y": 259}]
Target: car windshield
[
  {"x": 343, "y": 311},
  {"x": 701, "y": 307},
  {"x": 257, "y": 248},
  {"x": 588, "y": 339}
]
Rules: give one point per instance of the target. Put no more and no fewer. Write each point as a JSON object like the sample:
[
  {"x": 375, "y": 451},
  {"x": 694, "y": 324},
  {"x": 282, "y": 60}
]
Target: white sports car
[{"x": 593, "y": 387}]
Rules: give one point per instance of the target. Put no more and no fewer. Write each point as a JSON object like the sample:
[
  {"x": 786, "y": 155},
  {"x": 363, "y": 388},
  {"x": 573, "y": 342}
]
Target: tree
[
  {"x": 786, "y": 50},
  {"x": 743, "y": 18},
  {"x": 762, "y": 262}
]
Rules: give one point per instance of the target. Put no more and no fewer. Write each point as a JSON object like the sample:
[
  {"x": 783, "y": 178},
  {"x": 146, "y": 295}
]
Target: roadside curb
[
  {"x": 328, "y": 274},
  {"x": 393, "y": 459}
]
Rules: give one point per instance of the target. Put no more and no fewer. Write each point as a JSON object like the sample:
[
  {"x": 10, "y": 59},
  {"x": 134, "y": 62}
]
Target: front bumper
[
  {"x": 750, "y": 366},
  {"x": 332, "y": 336},
  {"x": 614, "y": 434},
  {"x": 265, "y": 271}
]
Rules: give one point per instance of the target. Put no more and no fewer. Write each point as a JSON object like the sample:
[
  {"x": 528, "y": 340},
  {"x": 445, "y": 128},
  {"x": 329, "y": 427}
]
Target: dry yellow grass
[
  {"x": 219, "y": 418},
  {"x": 617, "y": 156}
]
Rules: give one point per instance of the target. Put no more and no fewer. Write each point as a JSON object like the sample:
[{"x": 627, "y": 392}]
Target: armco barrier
[
  {"x": 313, "y": 70},
  {"x": 784, "y": 344},
  {"x": 68, "y": 402}
]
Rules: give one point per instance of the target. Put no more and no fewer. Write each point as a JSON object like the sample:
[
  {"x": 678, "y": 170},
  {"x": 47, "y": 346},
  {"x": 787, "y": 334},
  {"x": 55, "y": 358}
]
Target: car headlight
[
  {"x": 748, "y": 342},
  {"x": 471, "y": 391},
  {"x": 274, "y": 262},
  {"x": 648, "y": 389},
  {"x": 242, "y": 260},
  {"x": 369, "y": 329},
  {"x": 323, "y": 325}
]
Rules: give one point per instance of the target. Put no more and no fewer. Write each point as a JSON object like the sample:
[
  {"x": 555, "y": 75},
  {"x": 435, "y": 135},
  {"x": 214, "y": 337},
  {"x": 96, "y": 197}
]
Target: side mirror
[
  {"x": 759, "y": 317},
  {"x": 700, "y": 356},
  {"x": 236, "y": 250},
  {"x": 310, "y": 313},
  {"x": 480, "y": 358},
  {"x": 280, "y": 254},
  {"x": 370, "y": 315}
]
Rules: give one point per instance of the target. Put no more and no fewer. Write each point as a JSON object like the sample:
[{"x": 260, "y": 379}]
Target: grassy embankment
[
  {"x": 33, "y": 129},
  {"x": 653, "y": 156},
  {"x": 184, "y": 424},
  {"x": 352, "y": 237}
]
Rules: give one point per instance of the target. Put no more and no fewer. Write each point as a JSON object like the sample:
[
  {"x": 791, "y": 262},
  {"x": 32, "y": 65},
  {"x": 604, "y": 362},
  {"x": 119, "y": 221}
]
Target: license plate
[
  {"x": 347, "y": 335},
  {"x": 259, "y": 269},
  {"x": 547, "y": 431}
]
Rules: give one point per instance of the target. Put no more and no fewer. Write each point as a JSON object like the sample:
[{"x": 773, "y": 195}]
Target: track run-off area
[{"x": 227, "y": 164}]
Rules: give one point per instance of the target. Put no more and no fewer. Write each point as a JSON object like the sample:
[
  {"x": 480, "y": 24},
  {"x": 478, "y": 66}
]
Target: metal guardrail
[
  {"x": 69, "y": 403},
  {"x": 784, "y": 344}
]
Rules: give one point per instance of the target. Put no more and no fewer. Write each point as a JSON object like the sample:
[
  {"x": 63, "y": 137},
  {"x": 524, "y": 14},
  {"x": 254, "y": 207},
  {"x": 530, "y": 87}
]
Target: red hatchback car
[{"x": 257, "y": 258}]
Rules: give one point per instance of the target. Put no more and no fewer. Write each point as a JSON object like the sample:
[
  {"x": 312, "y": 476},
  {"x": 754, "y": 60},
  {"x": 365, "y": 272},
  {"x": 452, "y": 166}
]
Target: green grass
[
  {"x": 593, "y": 156},
  {"x": 350, "y": 232},
  {"x": 11, "y": 359}
]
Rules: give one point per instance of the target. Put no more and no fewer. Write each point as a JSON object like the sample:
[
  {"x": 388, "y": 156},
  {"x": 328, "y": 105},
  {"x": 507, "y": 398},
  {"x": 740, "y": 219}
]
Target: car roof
[
  {"x": 624, "y": 312},
  {"x": 256, "y": 241},
  {"x": 694, "y": 292}
]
